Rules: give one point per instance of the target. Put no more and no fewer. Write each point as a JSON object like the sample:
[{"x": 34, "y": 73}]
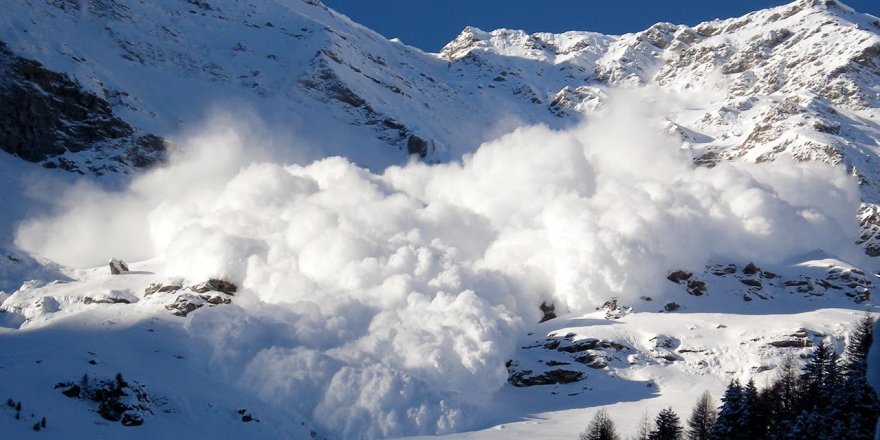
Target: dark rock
[
  {"x": 791, "y": 343},
  {"x": 751, "y": 269},
  {"x": 147, "y": 150},
  {"x": 161, "y": 288},
  {"x": 696, "y": 287},
  {"x": 109, "y": 300},
  {"x": 217, "y": 299},
  {"x": 678, "y": 276},
  {"x": 593, "y": 360},
  {"x": 111, "y": 409},
  {"x": 72, "y": 392},
  {"x": 582, "y": 345},
  {"x": 416, "y": 145},
  {"x": 548, "y": 310},
  {"x": 526, "y": 379},
  {"x": 132, "y": 419},
  {"x": 587, "y": 344},
  {"x": 45, "y": 114},
  {"x": 215, "y": 284},
  {"x": 671, "y": 307},
  {"x": 752, "y": 283},
  {"x": 117, "y": 267},
  {"x": 184, "y": 305},
  {"x": 551, "y": 344}
]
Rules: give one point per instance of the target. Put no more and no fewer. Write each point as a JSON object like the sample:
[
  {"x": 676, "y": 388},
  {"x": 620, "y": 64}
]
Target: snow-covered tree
[
  {"x": 600, "y": 428},
  {"x": 702, "y": 418},
  {"x": 728, "y": 425},
  {"x": 666, "y": 426}
]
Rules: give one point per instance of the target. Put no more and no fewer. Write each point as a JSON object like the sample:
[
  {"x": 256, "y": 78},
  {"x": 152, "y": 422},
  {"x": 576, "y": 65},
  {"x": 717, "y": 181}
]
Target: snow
[
  {"x": 385, "y": 298},
  {"x": 403, "y": 294}
]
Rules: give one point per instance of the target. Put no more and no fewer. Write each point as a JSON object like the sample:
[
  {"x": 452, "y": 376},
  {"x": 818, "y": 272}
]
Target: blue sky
[{"x": 429, "y": 24}]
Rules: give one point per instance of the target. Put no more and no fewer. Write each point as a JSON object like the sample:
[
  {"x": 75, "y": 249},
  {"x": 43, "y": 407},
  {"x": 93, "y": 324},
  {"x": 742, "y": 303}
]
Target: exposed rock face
[
  {"x": 525, "y": 378},
  {"x": 753, "y": 282},
  {"x": 549, "y": 311},
  {"x": 416, "y": 145},
  {"x": 679, "y": 275},
  {"x": 162, "y": 287},
  {"x": 869, "y": 221},
  {"x": 209, "y": 293},
  {"x": 116, "y": 399},
  {"x": 555, "y": 351},
  {"x": 117, "y": 266},
  {"x": 214, "y": 284},
  {"x": 185, "y": 304},
  {"x": 45, "y": 114}
]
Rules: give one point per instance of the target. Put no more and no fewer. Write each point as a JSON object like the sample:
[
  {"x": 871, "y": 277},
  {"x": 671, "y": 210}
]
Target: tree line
[{"x": 828, "y": 399}]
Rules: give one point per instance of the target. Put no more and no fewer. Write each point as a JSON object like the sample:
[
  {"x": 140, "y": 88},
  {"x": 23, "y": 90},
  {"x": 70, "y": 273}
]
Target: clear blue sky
[{"x": 429, "y": 24}]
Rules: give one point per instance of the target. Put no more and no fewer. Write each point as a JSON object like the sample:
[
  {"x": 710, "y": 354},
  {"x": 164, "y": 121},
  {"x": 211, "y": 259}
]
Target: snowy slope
[{"x": 687, "y": 199}]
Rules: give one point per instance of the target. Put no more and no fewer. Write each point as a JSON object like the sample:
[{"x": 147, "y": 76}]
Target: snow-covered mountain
[{"x": 694, "y": 203}]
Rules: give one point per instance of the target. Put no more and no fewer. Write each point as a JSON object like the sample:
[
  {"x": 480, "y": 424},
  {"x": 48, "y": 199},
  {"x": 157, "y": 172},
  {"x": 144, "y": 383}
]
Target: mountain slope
[{"x": 678, "y": 206}]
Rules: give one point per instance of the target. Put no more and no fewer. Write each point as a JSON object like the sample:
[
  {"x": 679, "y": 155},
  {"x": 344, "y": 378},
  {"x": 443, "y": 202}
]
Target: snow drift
[{"x": 386, "y": 304}]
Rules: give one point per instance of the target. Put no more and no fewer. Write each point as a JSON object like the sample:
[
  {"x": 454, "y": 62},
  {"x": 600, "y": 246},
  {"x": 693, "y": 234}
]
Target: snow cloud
[{"x": 387, "y": 304}]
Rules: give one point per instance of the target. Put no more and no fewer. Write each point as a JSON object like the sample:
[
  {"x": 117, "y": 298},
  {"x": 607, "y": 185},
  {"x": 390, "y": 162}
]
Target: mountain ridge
[{"x": 642, "y": 195}]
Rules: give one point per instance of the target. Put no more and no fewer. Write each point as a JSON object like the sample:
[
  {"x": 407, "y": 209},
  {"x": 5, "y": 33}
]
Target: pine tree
[
  {"x": 666, "y": 426},
  {"x": 753, "y": 421},
  {"x": 644, "y": 429},
  {"x": 600, "y": 428},
  {"x": 820, "y": 397},
  {"x": 858, "y": 345},
  {"x": 816, "y": 376},
  {"x": 780, "y": 400},
  {"x": 702, "y": 418},
  {"x": 728, "y": 425},
  {"x": 856, "y": 397}
]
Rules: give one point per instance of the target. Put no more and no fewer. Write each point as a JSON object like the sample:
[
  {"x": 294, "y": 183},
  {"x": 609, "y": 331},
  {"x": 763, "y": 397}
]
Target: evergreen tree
[
  {"x": 754, "y": 418},
  {"x": 816, "y": 376},
  {"x": 857, "y": 402},
  {"x": 666, "y": 426},
  {"x": 644, "y": 429},
  {"x": 858, "y": 345},
  {"x": 729, "y": 424},
  {"x": 600, "y": 428},
  {"x": 820, "y": 383},
  {"x": 702, "y": 418},
  {"x": 780, "y": 399}
]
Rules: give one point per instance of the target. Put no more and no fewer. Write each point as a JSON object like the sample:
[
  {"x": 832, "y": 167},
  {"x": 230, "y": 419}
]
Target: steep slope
[
  {"x": 798, "y": 79},
  {"x": 688, "y": 210},
  {"x": 166, "y": 65}
]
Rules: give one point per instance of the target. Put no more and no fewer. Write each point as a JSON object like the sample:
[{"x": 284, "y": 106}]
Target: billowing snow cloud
[{"x": 387, "y": 304}]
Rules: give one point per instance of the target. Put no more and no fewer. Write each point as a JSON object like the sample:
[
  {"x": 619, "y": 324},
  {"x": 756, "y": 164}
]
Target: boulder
[
  {"x": 162, "y": 287},
  {"x": 549, "y": 311},
  {"x": 696, "y": 287},
  {"x": 751, "y": 269},
  {"x": 679, "y": 276},
  {"x": 216, "y": 285},
  {"x": 185, "y": 304},
  {"x": 117, "y": 266}
]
